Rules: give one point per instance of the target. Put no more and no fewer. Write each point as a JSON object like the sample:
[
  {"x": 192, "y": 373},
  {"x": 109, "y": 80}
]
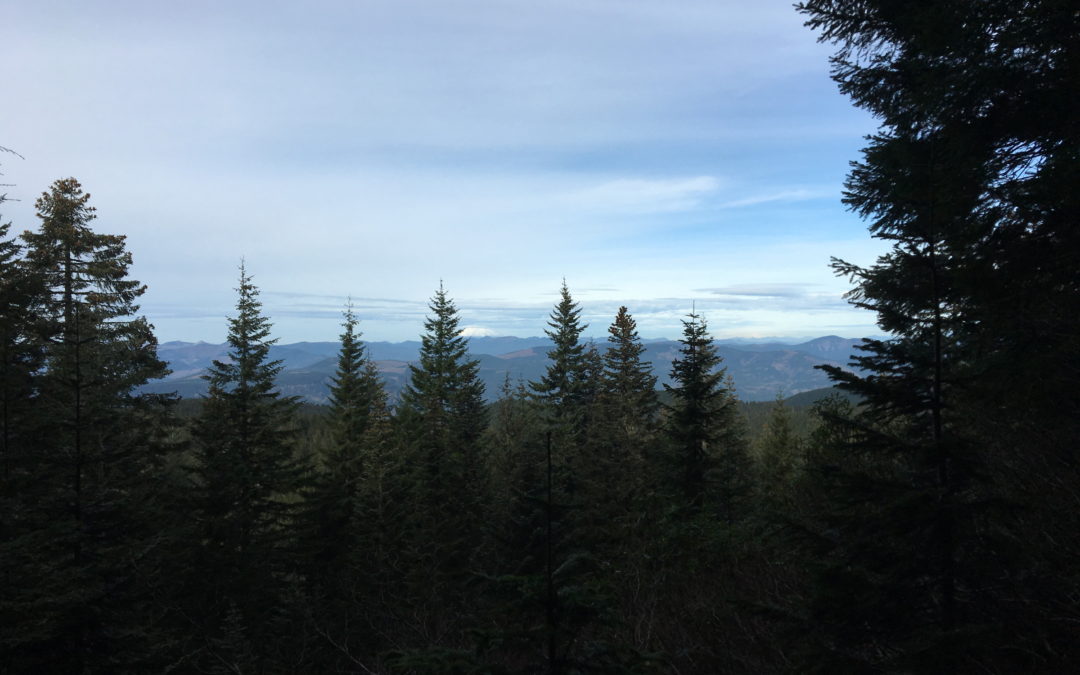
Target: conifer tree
[
  {"x": 621, "y": 406},
  {"x": 971, "y": 179},
  {"x": 708, "y": 454},
  {"x": 355, "y": 390},
  {"x": 357, "y": 401},
  {"x": 85, "y": 520},
  {"x": 248, "y": 478},
  {"x": 629, "y": 390},
  {"x": 441, "y": 418},
  {"x": 442, "y": 405},
  {"x": 778, "y": 453},
  {"x": 561, "y": 389},
  {"x": 511, "y": 440},
  {"x": 565, "y": 391},
  {"x": 339, "y": 526},
  {"x": 20, "y": 358}
]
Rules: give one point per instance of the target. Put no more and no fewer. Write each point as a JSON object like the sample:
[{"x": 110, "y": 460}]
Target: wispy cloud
[
  {"x": 642, "y": 150},
  {"x": 798, "y": 195},
  {"x": 760, "y": 290},
  {"x": 643, "y": 195}
]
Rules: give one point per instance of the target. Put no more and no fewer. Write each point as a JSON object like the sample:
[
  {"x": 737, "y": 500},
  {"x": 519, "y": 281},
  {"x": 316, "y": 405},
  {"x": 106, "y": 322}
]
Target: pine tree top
[
  {"x": 695, "y": 371},
  {"x": 356, "y": 390},
  {"x": 567, "y": 369},
  {"x": 78, "y": 264},
  {"x": 624, "y": 371},
  {"x": 444, "y": 371},
  {"x": 83, "y": 293},
  {"x": 248, "y": 369},
  {"x": 351, "y": 361}
]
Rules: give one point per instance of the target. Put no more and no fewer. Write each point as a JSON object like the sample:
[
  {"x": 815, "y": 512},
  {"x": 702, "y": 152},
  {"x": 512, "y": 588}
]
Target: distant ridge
[{"x": 760, "y": 369}]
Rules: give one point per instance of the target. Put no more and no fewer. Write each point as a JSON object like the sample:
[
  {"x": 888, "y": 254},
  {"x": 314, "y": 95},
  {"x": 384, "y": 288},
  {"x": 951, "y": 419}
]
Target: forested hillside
[{"x": 598, "y": 514}]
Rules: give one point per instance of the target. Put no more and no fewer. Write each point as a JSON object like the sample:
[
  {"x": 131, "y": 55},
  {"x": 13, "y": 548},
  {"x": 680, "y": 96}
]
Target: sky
[{"x": 663, "y": 156}]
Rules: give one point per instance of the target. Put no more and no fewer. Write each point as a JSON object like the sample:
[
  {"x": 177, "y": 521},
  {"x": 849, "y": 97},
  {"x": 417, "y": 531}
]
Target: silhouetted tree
[
  {"x": 563, "y": 387},
  {"x": 971, "y": 179},
  {"x": 442, "y": 416},
  {"x": 90, "y": 443},
  {"x": 248, "y": 481},
  {"x": 708, "y": 457},
  {"x": 340, "y": 520}
]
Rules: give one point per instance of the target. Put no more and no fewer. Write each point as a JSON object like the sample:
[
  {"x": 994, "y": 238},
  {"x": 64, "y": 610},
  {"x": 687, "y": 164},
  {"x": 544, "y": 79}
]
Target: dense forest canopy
[{"x": 923, "y": 519}]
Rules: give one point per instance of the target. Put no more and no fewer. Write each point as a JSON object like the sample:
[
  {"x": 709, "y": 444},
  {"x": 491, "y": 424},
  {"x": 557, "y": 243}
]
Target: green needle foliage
[
  {"x": 343, "y": 525},
  {"x": 247, "y": 484},
  {"x": 708, "y": 456},
  {"x": 441, "y": 418},
  {"x": 80, "y": 511},
  {"x": 965, "y": 423},
  {"x": 629, "y": 384},
  {"x": 563, "y": 388}
]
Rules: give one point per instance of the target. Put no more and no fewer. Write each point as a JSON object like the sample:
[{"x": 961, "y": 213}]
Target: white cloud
[
  {"x": 375, "y": 147},
  {"x": 637, "y": 195},
  {"x": 798, "y": 195}
]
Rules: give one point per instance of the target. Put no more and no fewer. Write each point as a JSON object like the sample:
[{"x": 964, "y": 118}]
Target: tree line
[
  {"x": 583, "y": 523},
  {"x": 437, "y": 534}
]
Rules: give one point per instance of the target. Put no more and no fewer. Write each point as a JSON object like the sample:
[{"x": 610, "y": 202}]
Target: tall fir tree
[
  {"x": 630, "y": 402},
  {"x": 442, "y": 406},
  {"x": 621, "y": 414},
  {"x": 248, "y": 479},
  {"x": 970, "y": 179},
  {"x": 356, "y": 391},
  {"x": 341, "y": 521},
  {"x": 20, "y": 358},
  {"x": 85, "y": 524},
  {"x": 564, "y": 389},
  {"x": 441, "y": 418},
  {"x": 708, "y": 460},
  {"x": 694, "y": 560},
  {"x": 561, "y": 387}
]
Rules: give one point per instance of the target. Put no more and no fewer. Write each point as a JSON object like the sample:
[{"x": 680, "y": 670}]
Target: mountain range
[{"x": 760, "y": 369}]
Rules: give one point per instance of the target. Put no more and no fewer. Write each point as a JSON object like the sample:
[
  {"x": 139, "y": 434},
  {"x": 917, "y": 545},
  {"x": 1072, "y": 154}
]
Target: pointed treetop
[{"x": 625, "y": 373}]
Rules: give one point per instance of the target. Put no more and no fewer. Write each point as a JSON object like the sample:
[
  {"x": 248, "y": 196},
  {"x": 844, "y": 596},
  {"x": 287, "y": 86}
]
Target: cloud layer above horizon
[{"x": 657, "y": 155}]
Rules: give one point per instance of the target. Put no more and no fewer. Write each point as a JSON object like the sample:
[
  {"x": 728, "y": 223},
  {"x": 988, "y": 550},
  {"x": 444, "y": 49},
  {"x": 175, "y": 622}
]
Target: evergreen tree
[
  {"x": 339, "y": 523},
  {"x": 355, "y": 391},
  {"x": 83, "y": 525},
  {"x": 708, "y": 452},
  {"x": 621, "y": 418},
  {"x": 778, "y": 453},
  {"x": 248, "y": 479},
  {"x": 511, "y": 442},
  {"x": 971, "y": 178},
  {"x": 629, "y": 397},
  {"x": 628, "y": 381},
  {"x": 562, "y": 389},
  {"x": 357, "y": 400},
  {"x": 566, "y": 392},
  {"x": 20, "y": 358},
  {"x": 442, "y": 406},
  {"x": 441, "y": 417}
]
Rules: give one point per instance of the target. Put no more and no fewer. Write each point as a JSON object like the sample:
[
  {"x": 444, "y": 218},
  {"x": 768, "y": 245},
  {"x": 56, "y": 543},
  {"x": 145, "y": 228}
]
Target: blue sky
[{"x": 657, "y": 155}]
